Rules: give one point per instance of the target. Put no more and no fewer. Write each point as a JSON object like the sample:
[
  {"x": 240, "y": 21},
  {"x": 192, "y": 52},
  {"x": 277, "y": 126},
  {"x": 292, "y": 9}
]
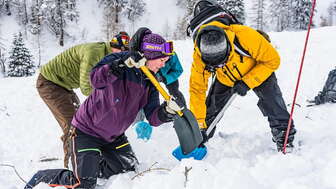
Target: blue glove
[
  {"x": 198, "y": 154},
  {"x": 143, "y": 130}
]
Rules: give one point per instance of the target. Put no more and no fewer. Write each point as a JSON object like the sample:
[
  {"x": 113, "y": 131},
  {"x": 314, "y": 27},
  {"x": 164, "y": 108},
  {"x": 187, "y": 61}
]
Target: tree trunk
[
  {"x": 8, "y": 11},
  {"x": 2, "y": 65},
  {"x": 60, "y": 14}
]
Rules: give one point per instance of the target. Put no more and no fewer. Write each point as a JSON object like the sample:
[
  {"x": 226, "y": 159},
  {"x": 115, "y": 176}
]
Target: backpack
[
  {"x": 206, "y": 12},
  {"x": 328, "y": 94}
]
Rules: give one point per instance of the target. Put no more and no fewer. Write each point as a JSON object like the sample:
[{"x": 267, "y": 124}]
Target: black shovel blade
[{"x": 187, "y": 130}]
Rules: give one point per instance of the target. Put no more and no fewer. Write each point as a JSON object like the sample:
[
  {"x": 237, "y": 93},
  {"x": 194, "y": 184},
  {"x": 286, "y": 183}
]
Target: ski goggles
[{"x": 166, "y": 48}]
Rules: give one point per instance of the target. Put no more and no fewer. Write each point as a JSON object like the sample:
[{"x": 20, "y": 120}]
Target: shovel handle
[{"x": 157, "y": 85}]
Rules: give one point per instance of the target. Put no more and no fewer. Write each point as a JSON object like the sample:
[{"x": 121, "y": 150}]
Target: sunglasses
[{"x": 166, "y": 48}]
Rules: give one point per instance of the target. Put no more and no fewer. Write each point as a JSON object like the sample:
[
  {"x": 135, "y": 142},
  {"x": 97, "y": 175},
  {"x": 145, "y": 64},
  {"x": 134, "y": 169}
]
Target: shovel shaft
[
  {"x": 157, "y": 85},
  {"x": 220, "y": 114}
]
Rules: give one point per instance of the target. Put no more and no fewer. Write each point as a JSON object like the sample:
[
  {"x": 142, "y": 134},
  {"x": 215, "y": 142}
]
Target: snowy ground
[{"x": 244, "y": 157}]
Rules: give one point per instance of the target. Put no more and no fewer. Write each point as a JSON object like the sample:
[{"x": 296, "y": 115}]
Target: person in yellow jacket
[{"x": 216, "y": 54}]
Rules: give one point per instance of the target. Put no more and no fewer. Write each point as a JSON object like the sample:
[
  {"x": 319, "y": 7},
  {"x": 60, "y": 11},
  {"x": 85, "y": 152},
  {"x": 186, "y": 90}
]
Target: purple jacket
[{"x": 114, "y": 103}]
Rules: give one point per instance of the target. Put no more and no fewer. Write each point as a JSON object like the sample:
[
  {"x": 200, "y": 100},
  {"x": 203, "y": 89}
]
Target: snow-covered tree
[
  {"x": 20, "y": 63},
  {"x": 236, "y": 7},
  {"x": 180, "y": 29},
  {"x": 331, "y": 13},
  {"x": 323, "y": 21},
  {"x": 112, "y": 10},
  {"x": 279, "y": 14},
  {"x": 258, "y": 8},
  {"x": 5, "y": 7},
  {"x": 36, "y": 17},
  {"x": 166, "y": 30},
  {"x": 300, "y": 14},
  {"x": 134, "y": 9},
  {"x": 22, "y": 14},
  {"x": 183, "y": 22},
  {"x": 56, "y": 14}
]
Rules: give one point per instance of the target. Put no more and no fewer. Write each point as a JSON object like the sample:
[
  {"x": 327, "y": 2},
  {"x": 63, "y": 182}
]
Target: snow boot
[{"x": 279, "y": 134}]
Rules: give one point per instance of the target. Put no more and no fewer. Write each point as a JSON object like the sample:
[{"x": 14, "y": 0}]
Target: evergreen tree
[
  {"x": 20, "y": 62},
  {"x": 134, "y": 9},
  {"x": 5, "y": 7},
  {"x": 236, "y": 7},
  {"x": 300, "y": 14},
  {"x": 111, "y": 16},
  {"x": 36, "y": 17},
  {"x": 56, "y": 14},
  {"x": 258, "y": 21},
  {"x": 182, "y": 23},
  {"x": 279, "y": 12},
  {"x": 180, "y": 29},
  {"x": 331, "y": 13},
  {"x": 323, "y": 21}
]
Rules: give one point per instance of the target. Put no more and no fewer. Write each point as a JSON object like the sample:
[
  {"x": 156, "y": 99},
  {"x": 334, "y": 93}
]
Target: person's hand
[
  {"x": 168, "y": 110},
  {"x": 135, "y": 59},
  {"x": 172, "y": 107},
  {"x": 143, "y": 130},
  {"x": 116, "y": 68},
  {"x": 161, "y": 78},
  {"x": 241, "y": 88}
]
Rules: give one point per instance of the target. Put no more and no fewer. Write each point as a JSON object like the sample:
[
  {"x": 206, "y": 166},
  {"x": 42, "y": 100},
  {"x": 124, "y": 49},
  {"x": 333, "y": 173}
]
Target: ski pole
[
  {"x": 220, "y": 114},
  {"x": 299, "y": 77}
]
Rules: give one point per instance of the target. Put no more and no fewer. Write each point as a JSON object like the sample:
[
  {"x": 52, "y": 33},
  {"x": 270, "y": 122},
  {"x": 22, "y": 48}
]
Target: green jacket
[{"x": 71, "y": 69}]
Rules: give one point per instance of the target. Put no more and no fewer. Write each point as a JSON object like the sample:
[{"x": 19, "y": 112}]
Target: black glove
[
  {"x": 160, "y": 78},
  {"x": 205, "y": 137},
  {"x": 117, "y": 68},
  {"x": 241, "y": 88},
  {"x": 164, "y": 115}
]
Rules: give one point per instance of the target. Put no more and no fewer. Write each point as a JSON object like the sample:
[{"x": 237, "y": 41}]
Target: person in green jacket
[{"x": 70, "y": 70}]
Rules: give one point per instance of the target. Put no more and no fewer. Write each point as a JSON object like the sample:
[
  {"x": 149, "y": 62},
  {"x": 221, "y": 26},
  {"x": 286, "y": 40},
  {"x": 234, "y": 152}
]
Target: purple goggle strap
[{"x": 165, "y": 48}]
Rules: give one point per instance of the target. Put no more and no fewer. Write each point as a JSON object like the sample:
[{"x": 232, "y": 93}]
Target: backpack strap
[{"x": 239, "y": 49}]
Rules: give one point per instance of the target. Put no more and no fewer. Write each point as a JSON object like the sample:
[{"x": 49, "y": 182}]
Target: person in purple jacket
[{"x": 120, "y": 90}]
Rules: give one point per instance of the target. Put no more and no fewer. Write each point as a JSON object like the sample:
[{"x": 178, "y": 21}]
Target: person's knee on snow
[{"x": 53, "y": 177}]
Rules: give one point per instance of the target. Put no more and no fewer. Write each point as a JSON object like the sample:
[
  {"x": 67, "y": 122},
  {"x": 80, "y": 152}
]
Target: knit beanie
[{"x": 154, "y": 39}]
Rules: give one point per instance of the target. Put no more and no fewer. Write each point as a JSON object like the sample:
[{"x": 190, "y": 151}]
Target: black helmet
[
  {"x": 202, "y": 5},
  {"x": 214, "y": 46},
  {"x": 120, "y": 41}
]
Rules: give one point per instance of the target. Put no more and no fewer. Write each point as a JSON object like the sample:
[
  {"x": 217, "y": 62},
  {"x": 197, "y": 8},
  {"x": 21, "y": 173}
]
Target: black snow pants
[
  {"x": 270, "y": 103},
  {"x": 94, "y": 158}
]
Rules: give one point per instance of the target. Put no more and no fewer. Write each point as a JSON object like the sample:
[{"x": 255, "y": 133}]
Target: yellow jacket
[{"x": 255, "y": 70}]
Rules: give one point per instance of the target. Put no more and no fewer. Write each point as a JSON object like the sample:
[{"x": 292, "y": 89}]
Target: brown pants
[{"x": 63, "y": 105}]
